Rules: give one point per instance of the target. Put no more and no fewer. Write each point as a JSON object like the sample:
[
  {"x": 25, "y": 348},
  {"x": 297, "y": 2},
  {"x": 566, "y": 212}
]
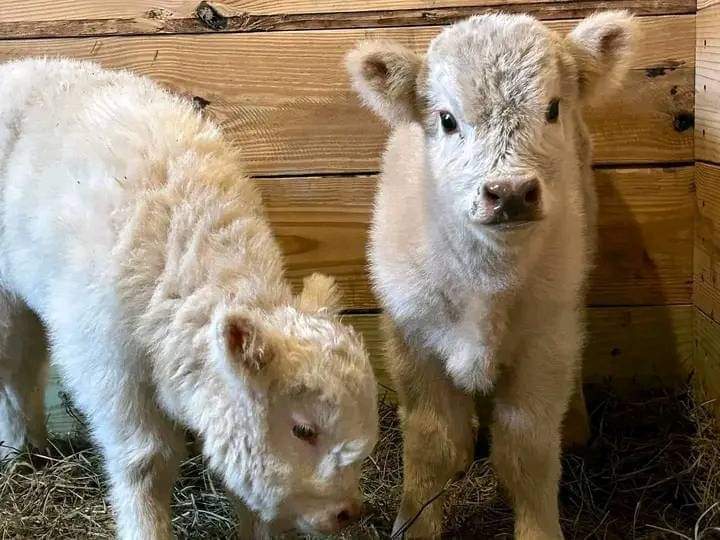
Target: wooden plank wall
[
  {"x": 707, "y": 226},
  {"x": 270, "y": 72}
]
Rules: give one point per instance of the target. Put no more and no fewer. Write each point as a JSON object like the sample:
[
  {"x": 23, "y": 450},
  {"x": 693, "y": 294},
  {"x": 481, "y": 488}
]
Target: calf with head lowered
[
  {"x": 482, "y": 238},
  {"x": 128, "y": 227}
]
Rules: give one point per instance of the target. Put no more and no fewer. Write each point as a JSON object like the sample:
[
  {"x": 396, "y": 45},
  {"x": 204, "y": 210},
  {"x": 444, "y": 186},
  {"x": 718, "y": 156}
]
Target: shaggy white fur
[
  {"x": 478, "y": 301},
  {"x": 128, "y": 228}
]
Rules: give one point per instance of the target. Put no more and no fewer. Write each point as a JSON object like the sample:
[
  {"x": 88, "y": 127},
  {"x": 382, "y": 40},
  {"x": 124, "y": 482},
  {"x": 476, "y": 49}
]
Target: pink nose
[{"x": 513, "y": 200}]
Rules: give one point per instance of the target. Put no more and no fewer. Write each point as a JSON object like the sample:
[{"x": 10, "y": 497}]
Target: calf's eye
[
  {"x": 448, "y": 122},
  {"x": 305, "y": 433},
  {"x": 553, "y": 111}
]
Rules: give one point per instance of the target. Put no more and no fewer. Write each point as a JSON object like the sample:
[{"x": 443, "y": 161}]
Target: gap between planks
[{"x": 366, "y": 173}]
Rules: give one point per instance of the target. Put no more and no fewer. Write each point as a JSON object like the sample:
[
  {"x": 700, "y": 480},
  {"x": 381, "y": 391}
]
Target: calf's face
[
  {"x": 322, "y": 437},
  {"x": 314, "y": 393},
  {"x": 498, "y": 97}
]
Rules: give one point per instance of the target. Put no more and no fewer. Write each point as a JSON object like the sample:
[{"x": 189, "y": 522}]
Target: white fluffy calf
[
  {"x": 127, "y": 227},
  {"x": 483, "y": 229}
]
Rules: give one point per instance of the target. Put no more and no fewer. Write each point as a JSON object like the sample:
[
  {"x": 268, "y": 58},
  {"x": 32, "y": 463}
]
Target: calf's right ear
[
  {"x": 320, "y": 295},
  {"x": 242, "y": 343},
  {"x": 384, "y": 74}
]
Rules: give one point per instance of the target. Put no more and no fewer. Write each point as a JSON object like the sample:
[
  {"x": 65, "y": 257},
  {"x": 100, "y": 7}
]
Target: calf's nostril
[
  {"x": 490, "y": 195},
  {"x": 532, "y": 195},
  {"x": 343, "y": 517}
]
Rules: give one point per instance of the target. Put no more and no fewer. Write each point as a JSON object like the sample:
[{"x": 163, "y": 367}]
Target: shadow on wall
[{"x": 640, "y": 320}]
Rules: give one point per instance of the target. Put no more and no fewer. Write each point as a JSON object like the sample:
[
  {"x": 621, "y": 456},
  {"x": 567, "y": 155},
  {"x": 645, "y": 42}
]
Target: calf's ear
[
  {"x": 384, "y": 74},
  {"x": 243, "y": 345},
  {"x": 320, "y": 295},
  {"x": 603, "y": 46}
]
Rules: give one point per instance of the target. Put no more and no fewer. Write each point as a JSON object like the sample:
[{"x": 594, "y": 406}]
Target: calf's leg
[
  {"x": 531, "y": 401},
  {"x": 23, "y": 375},
  {"x": 576, "y": 425},
  {"x": 141, "y": 446},
  {"x": 439, "y": 431}
]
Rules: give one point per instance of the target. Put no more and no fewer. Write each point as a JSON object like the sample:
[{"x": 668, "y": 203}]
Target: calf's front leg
[
  {"x": 141, "y": 476},
  {"x": 531, "y": 400},
  {"x": 140, "y": 445},
  {"x": 438, "y": 430}
]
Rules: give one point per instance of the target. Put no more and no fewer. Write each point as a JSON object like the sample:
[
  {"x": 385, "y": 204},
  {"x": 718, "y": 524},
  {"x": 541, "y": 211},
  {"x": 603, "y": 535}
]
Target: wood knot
[
  {"x": 157, "y": 13},
  {"x": 655, "y": 72},
  {"x": 210, "y": 16},
  {"x": 683, "y": 121},
  {"x": 660, "y": 71}
]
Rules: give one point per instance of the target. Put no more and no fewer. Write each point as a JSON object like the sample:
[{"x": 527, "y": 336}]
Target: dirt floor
[{"x": 651, "y": 471}]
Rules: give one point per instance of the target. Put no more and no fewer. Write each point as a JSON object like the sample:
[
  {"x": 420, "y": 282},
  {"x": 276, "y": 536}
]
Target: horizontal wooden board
[
  {"x": 269, "y": 7},
  {"x": 707, "y": 84},
  {"x": 286, "y": 102},
  {"x": 49, "y": 10},
  {"x": 66, "y": 18},
  {"x": 650, "y": 121},
  {"x": 651, "y": 345},
  {"x": 645, "y": 224},
  {"x": 706, "y": 364},
  {"x": 707, "y": 241}
]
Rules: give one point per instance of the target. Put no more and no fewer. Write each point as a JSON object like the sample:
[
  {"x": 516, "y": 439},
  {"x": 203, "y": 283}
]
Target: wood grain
[
  {"x": 285, "y": 100},
  {"x": 707, "y": 359},
  {"x": 707, "y": 241},
  {"x": 703, "y": 4},
  {"x": 649, "y": 345},
  {"x": 66, "y": 18},
  {"x": 645, "y": 252},
  {"x": 707, "y": 85},
  {"x": 48, "y": 10},
  {"x": 331, "y": 6},
  {"x": 645, "y": 231}
]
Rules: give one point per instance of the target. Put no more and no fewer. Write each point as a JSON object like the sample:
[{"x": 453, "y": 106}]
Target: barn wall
[
  {"x": 707, "y": 226},
  {"x": 270, "y": 73}
]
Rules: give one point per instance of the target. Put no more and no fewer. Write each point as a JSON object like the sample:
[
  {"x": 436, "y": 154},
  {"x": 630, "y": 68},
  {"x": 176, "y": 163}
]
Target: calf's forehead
[{"x": 490, "y": 58}]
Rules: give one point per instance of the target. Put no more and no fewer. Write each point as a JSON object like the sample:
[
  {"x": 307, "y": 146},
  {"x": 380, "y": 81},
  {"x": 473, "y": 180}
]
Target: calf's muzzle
[{"x": 511, "y": 201}]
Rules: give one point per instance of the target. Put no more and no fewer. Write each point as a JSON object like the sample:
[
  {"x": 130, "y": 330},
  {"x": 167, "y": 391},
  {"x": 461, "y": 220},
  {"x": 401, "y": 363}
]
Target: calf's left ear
[
  {"x": 603, "y": 46},
  {"x": 320, "y": 295}
]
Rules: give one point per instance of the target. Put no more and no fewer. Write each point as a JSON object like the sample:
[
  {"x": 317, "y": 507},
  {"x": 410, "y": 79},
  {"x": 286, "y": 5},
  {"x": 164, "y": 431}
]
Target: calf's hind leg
[
  {"x": 438, "y": 430},
  {"x": 23, "y": 375},
  {"x": 576, "y": 425}
]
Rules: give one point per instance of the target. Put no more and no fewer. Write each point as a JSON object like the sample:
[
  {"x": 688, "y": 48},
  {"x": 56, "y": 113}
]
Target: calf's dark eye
[
  {"x": 448, "y": 122},
  {"x": 553, "y": 111},
  {"x": 305, "y": 433}
]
